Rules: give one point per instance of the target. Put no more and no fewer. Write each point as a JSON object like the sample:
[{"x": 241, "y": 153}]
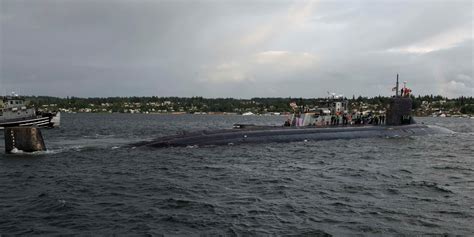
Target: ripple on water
[{"x": 90, "y": 183}]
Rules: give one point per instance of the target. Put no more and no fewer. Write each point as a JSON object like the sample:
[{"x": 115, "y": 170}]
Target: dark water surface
[{"x": 89, "y": 182}]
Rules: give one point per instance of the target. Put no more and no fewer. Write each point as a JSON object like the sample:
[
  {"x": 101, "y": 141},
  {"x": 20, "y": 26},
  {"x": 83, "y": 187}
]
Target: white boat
[
  {"x": 248, "y": 114},
  {"x": 14, "y": 112}
]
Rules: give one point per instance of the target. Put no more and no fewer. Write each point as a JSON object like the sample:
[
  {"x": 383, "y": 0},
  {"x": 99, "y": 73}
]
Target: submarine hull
[{"x": 291, "y": 134}]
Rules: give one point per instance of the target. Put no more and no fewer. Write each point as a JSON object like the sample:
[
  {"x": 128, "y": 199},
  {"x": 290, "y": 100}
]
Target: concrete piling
[{"x": 27, "y": 139}]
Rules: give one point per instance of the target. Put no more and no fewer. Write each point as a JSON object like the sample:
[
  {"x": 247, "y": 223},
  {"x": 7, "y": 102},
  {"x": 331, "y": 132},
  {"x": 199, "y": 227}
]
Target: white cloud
[
  {"x": 286, "y": 59},
  {"x": 444, "y": 40},
  {"x": 260, "y": 66},
  {"x": 297, "y": 16},
  {"x": 453, "y": 88},
  {"x": 466, "y": 79},
  {"x": 225, "y": 72}
]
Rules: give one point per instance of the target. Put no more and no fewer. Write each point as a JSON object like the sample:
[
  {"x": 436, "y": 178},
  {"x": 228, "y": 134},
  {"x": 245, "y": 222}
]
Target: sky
[{"x": 235, "y": 48}]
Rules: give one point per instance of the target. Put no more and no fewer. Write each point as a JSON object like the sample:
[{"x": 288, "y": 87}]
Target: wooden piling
[{"x": 27, "y": 139}]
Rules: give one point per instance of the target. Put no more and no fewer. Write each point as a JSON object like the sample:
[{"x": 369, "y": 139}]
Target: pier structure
[{"x": 26, "y": 139}]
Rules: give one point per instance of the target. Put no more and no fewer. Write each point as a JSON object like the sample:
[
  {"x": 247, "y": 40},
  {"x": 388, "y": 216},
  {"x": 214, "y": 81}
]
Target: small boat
[{"x": 14, "y": 112}]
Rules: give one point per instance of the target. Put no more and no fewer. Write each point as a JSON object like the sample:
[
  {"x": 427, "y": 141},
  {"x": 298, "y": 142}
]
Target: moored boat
[{"x": 15, "y": 112}]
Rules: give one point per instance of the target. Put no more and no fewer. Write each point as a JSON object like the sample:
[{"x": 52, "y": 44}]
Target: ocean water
[{"x": 90, "y": 182}]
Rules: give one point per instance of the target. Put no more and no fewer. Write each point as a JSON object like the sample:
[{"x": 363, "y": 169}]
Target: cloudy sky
[{"x": 241, "y": 48}]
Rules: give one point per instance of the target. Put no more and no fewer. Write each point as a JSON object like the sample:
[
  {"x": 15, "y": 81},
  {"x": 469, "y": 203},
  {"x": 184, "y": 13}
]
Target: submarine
[{"x": 325, "y": 124}]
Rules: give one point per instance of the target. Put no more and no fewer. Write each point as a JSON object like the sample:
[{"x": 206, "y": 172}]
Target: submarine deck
[{"x": 262, "y": 134}]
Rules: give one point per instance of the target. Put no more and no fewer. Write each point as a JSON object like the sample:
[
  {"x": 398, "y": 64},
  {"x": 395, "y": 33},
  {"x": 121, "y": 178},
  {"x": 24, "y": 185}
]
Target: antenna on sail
[{"x": 397, "y": 87}]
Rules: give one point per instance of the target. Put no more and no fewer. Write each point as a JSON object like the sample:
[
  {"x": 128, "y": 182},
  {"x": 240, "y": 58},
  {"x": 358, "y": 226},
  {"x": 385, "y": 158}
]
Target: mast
[{"x": 396, "y": 92}]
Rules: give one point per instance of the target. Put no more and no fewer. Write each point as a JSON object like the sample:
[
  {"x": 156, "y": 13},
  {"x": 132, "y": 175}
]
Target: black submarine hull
[{"x": 291, "y": 134}]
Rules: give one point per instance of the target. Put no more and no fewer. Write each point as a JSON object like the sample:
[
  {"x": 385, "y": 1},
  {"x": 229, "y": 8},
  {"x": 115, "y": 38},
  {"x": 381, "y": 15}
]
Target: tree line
[{"x": 258, "y": 104}]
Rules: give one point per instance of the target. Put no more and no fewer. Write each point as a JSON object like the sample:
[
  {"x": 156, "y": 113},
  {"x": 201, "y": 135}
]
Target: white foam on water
[{"x": 16, "y": 151}]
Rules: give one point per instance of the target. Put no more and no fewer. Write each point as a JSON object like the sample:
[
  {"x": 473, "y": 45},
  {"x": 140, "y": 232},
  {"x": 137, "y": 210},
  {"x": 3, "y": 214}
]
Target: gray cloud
[{"x": 235, "y": 48}]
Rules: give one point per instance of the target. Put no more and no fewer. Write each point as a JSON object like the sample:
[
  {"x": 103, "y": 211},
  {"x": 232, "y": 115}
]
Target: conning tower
[{"x": 399, "y": 108}]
